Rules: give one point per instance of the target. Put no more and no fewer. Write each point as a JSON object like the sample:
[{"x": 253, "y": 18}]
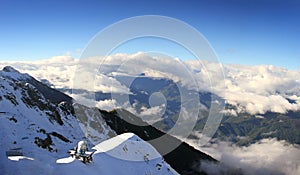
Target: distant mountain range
[
  {"x": 260, "y": 101},
  {"x": 243, "y": 129}
]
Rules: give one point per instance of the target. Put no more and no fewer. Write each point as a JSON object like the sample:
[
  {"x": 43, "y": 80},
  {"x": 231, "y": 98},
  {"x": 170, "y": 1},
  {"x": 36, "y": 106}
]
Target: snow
[
  {"x": 110, "y": 155},
  {"x": 17, "y": 158},
  {"x": 112, "y": 143},
  {"x": 121, "y": 146},
  {"x": 66, "y": 160},
  {"x": 10, "y": 72},
  {"x": 123, "y": 154}
]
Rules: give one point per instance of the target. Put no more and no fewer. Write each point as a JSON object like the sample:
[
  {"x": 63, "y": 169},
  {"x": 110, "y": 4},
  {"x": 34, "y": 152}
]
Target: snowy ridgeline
[
  {"x": 31, "y": 124},
  {"x": 36, "y": 134}
]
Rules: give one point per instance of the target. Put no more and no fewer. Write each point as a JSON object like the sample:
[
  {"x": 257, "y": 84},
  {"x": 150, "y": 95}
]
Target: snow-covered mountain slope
[
  {"x": 22, "y": 95},
  {"x": 52, "y": 95},
  {"x": 123, "y": 154},
  {"x": 37, "y": 130},
  {"x": 29, "y": 119},
  {"x": 32, "y": 125},
  {"x": 92, "y": 123}
]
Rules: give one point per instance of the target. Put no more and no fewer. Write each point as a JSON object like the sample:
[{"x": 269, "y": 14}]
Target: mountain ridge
[{"x": 43, "y": 129}]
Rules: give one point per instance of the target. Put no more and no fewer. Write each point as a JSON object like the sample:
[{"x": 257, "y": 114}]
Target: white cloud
[
  {"x": 153, "y": 114},
  {"x": 262, "y": 88},
  {"x": 107, "y": 105},
  {"x": 62, "y": 59},
  {"x": 231, "y": 112},
  {"x": 67, "y": 72},
  {"x": 156, "y": 110},
  {"x": 255, "y": 89},
  {"x": 80, "y": 99},
  {"x": 268, "y": 156}
]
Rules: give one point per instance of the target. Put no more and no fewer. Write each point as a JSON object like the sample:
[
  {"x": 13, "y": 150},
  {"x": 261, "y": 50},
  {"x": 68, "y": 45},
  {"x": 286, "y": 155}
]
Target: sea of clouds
[
  {"x": 268, "y": 156},
  {"x": 252, "y": 89}
]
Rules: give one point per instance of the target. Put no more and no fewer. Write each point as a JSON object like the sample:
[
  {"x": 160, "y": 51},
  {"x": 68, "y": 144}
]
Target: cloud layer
[
  {"x": 252, "y": 89},
  {"x": 268, "y": 156}
]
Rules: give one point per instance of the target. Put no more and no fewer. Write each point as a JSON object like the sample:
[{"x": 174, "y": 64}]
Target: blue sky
[{"x": 241, "y": 31}]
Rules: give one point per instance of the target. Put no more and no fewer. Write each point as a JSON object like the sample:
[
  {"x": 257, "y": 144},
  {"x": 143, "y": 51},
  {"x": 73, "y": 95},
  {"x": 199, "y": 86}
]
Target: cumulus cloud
[
  {"x": 254, "y": 89},
  {"x": 107, "y": 105},
  {"x": 260, "y": 104},
  {"x": 262, "y": 88},
  {"x": 61, "y": 59},
  {"x": 156, "y": 110},
  {"x": 58, "y": 70},
  {"x": 267, "y": 156},
  {"x": 70, "y": 73},
  {"x": 152, "y": 114}
]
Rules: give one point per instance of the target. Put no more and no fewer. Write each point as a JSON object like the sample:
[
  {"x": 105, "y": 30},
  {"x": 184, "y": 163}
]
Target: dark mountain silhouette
[{"x": 182, "y": 159}]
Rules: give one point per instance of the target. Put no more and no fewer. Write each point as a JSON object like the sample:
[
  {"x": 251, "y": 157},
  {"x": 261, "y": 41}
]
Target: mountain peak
[
  {"x": 53, "y": 95},
  {"x": 10, "y": 69},
  {"x": 12, "y": 73}
]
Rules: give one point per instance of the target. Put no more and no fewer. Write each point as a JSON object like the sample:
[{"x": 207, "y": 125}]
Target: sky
[{"x": 240, "y": 31}]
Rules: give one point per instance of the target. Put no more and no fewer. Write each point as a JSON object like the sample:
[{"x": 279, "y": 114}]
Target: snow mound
[{"x": 127, "y": 146}]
